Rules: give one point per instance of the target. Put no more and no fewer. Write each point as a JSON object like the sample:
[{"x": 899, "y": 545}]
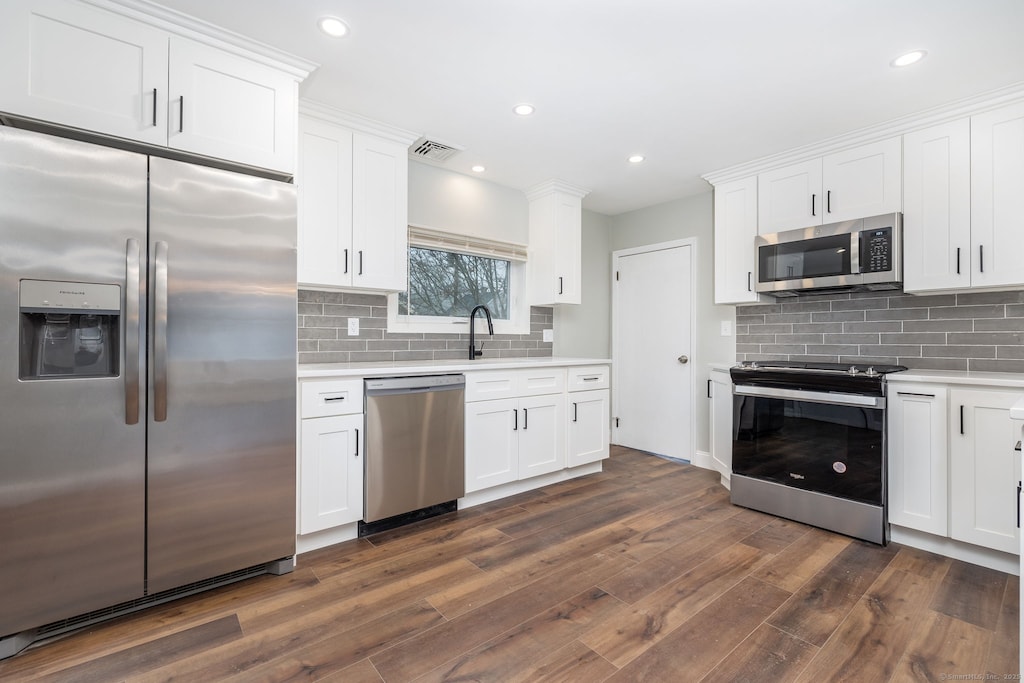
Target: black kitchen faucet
[{"x": 473, "y": 352}]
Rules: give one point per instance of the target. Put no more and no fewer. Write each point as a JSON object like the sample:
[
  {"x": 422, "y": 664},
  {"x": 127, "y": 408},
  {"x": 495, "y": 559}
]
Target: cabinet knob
[{"x": 683, "y": 360}]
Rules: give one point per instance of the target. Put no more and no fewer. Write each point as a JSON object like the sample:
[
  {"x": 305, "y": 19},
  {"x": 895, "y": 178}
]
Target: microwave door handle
[{"x": 854, "y": 253}]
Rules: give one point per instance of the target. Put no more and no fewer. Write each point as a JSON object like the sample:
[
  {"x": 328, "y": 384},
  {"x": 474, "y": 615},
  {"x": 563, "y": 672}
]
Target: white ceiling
[{"x": 695, "y": 86}]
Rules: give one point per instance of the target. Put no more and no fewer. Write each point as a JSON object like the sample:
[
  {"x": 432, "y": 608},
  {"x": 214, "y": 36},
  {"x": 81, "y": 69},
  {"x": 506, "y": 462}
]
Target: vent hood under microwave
[{"x": 865, "y": 254}]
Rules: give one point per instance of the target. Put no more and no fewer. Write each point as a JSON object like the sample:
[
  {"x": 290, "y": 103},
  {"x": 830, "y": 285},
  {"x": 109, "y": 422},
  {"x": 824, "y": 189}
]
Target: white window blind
[{"x": 429, "y": 238}]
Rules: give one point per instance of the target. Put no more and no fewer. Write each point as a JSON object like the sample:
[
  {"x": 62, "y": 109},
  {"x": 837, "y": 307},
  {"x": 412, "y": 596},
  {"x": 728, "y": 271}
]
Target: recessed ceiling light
[
  {"x": 479, "y": 169},
  {"x": 636, "y": 158},
  {"x": 909, "y": 58},
  {"x": 523, "y": 109},
  {"x": 333, "y": 26}
]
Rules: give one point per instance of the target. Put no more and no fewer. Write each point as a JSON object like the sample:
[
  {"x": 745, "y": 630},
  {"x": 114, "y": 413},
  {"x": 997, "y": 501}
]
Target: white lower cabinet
[
  {"x": 331, "y": 472},
  {"x": 918, "y": 460},
  {"x": 953, "y": 471},
  {"x": 511, "y": 439},
  {"x": 330, "y": 454},
  {"x": 589, "y": 427},
  {"x": 983, "y": 469},
  {"x": 720, "y": 393}
]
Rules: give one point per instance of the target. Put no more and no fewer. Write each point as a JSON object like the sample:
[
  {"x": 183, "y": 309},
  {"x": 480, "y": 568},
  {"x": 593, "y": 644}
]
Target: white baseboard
[
  {"x": 322, "y": 539},
  {"x": 514, "y": 487},
  {"x": 958, "y": 550},
  {"x": 704, "y": 460}
]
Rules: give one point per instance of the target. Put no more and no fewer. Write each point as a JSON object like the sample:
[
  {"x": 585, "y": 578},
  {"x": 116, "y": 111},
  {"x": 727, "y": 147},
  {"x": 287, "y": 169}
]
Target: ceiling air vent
[{"x": 433, "y": 150}]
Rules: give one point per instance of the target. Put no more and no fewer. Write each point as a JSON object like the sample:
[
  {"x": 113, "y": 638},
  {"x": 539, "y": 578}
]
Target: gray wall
[
  {"x": 584, "y": 330},
  {"x": 682, "y": 218},
  {"x": 969, "y": 331},
  {"x": 457, "y": 203}
]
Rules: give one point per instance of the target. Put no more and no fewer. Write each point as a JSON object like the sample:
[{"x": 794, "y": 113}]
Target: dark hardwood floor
[{"x": 643, "y": 572}]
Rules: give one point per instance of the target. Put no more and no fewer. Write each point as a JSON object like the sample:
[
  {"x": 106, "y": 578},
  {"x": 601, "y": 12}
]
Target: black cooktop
[{"x": 808, "y": 376}]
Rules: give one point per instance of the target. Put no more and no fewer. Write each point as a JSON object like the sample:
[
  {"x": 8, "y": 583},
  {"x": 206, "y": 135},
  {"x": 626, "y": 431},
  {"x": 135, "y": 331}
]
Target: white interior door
[{"x": 652, "y": 348}]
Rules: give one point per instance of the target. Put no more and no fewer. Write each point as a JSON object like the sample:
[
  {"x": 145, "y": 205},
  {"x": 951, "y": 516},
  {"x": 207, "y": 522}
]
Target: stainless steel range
[{"x": 809, "y": 444}]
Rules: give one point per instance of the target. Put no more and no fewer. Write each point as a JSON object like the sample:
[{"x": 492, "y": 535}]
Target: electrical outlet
[
  {"x": 549, "y": 335},
  {"x": 726, "y": 328},
  {"x": 353, "y": 327}
]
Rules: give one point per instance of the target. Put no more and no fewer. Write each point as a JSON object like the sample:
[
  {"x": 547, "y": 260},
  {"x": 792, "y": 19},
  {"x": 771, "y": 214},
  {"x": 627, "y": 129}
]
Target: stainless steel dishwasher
[{"x": 415, "y": 449}]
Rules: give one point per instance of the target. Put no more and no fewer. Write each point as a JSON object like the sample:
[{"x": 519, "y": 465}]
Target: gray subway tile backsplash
[
  {"x": 981, "y": 331},
  {"x": 323, "y": 333}
]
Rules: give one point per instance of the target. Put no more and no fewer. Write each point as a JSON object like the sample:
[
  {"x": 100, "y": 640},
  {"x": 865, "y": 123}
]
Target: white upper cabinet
[
  {"x": 855, "y": 183},
  {"x": 229, "y": 107},
  {"x": 735, "y": 230},
  {"x": 963, "y": 203},
  {"x": 82, "y": 66},
  {"x": 78, "y": 65},
  {"x": 380, "y": 222},
  {"x": 556, "y": 251},
  {"x": 937, "y": 207},
  {"x": 997, "y": 197},
  {"x": 790, "y": 197},
  {"x": 353, "y": 204}
]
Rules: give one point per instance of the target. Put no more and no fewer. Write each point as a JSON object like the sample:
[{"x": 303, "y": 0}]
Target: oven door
[{"x": 823, "y": 442}]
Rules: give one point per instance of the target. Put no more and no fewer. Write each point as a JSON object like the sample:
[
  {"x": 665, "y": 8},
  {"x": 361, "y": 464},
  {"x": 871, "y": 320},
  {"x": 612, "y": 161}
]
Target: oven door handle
[{"x": 812, "y": 396}]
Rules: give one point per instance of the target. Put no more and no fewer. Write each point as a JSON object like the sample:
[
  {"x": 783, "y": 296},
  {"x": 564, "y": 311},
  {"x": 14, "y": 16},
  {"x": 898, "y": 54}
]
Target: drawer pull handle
[
  {"x": 591, "y": 379},
  {"x": 332, "y": 399},
  {"x": 914, "y": 393}
]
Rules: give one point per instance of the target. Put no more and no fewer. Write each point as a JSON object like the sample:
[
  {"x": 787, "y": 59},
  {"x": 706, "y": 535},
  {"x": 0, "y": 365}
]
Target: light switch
[
  {"x": 726, "y": 328},
  {"x": 353, "y": 327}
]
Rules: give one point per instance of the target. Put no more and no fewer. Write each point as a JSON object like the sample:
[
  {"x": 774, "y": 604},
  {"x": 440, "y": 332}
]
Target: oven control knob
[
  {"x": 852, "y": 370},
  {"x": 871, "y": 372}
]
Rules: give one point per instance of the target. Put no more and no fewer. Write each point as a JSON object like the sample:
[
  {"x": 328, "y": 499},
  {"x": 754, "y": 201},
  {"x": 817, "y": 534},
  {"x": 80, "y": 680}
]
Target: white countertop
[
  {"x": 429, "y": 367},
  {"x": 1011, "y": 380},
  {"x": 1017, "y": 410}
]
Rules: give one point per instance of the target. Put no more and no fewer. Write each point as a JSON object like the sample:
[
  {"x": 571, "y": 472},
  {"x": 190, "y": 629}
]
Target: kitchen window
[{"x": 450, "y": 274}]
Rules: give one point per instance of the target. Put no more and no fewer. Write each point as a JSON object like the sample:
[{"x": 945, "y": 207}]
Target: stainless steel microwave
[{"x": 857, "y": 255}]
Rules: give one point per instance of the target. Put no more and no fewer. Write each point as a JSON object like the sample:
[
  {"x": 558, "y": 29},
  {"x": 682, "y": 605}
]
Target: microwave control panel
[{"x": 876, "y": 250}]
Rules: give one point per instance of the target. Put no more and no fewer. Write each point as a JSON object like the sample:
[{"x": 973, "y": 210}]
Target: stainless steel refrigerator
[{"x": 147, "y": 376}]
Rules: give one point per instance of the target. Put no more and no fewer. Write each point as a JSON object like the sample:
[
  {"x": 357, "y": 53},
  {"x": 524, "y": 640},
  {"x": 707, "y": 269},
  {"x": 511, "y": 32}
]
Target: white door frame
[{"x": 660, "y": 246}]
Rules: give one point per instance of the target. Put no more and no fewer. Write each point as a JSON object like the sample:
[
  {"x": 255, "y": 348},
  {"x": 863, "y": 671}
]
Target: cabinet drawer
[
  {"x": 541, "y": 381},
  {"x": 588, "y": 377},
  {"x": 494, "y": 384},
  {"x": 322, "y": 398},
  {"x": 487, "y": 385}
]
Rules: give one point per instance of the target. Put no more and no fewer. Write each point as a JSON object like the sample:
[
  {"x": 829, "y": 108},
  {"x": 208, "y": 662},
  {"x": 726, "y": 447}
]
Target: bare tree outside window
[{"x": 449, "y": 284}]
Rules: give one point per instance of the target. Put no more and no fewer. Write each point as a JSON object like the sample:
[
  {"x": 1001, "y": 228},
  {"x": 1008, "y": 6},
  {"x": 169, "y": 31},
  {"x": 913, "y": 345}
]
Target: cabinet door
[
  {"x": 984, "y": 469},
  {"x": 735, "y": 230},
  {"x": 721, "y": 421},
  {"x": 937, "y": 207},
  {"x": 491, "y": 444},
  {"x": 918, "y": 457},
  {"x": 589, "y": 427},
  {"x": 997, "y": 197},
  {"x": 568, "y": 250},
  {"x": 380, "y": 231},
  {"x": 541, "y": 435},
  {"x": 226, "y": 106},
  {"x": 865, "y": 181},
  {"x": 81, "y": 66},
  {"x": 330, "y": 472},
  {"x": 790, "y": 197},
  {"x": 324, "y": 184}
]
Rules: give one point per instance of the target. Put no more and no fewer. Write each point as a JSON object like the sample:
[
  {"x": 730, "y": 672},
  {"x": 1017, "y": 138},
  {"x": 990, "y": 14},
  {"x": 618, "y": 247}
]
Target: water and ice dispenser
[{"x": 69, "y": 329}]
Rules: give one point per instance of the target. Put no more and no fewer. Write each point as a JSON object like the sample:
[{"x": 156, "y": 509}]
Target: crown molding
[
  {"x": 201, "y": 31},
  {"x": 356, "y": 122},
  {"x": 905, "y": 124},
  {"x": 554, "y": 185}
]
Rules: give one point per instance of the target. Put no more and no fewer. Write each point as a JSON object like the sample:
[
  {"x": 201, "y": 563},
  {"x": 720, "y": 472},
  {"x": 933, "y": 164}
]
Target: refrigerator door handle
[
  {"x": 160, "y": 332},
  {"x": 132, "y": 332}
]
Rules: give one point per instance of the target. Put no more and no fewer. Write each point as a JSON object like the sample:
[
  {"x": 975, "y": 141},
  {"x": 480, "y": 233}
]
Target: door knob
[{"x": 683, "y": 359}]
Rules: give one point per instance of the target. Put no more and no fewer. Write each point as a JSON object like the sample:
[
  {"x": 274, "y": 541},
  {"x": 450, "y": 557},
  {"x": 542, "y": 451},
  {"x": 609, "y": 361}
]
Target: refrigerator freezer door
[
  {"x": 221, "y": 492},
  {"x": 72, "y": 467}
]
